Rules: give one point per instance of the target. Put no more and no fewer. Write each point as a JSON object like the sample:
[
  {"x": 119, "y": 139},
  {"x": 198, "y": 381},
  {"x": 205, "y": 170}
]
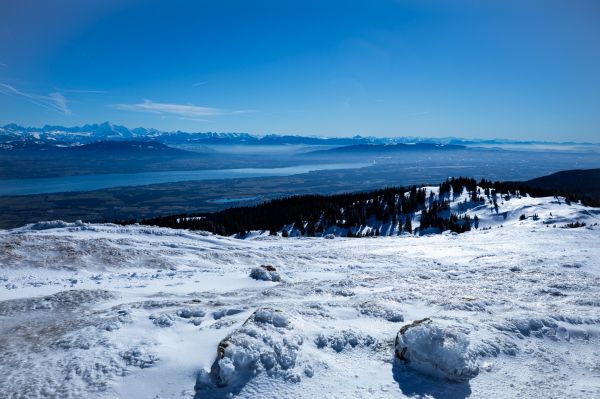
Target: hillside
[
  {"x": 457, "y": 205},
  {"x": 92, "y": 310},
  {"x": 582, "y": 182}
]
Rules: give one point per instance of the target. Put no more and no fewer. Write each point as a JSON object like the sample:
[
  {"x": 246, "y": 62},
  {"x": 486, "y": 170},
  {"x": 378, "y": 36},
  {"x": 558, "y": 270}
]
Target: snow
[
  {"x": 551, "y": 211},
  {"x": 92, "y": 310}
]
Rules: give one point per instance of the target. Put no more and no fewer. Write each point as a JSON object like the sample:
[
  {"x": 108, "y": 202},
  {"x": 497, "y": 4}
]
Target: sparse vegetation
[{"x": 574, "y": 225}]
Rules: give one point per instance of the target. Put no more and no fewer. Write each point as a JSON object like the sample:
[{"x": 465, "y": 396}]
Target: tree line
[{"x": 356, "y": 213}]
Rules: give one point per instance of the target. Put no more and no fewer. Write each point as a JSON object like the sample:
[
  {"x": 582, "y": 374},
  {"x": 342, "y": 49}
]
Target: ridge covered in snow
[
  {"x": 507, "y": 310},
  {"x": 106, "y": 130}
]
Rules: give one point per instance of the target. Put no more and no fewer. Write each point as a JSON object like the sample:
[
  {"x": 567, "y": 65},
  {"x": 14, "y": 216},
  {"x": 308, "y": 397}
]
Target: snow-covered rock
[
  {"x": 188, "y": 313},
  {"x": 434, "y": 349},
  {"x": 219, "y": 314},
  {"x": 265, "y": 343},
  {"x": 265, "y": 273},
  {"x": 163, "y": 320},
  {"x": 342, "y": 340}
]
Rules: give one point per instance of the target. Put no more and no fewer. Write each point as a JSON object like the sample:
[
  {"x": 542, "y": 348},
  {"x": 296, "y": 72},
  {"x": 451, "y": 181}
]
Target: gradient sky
[{"x": 487, "y": 69}]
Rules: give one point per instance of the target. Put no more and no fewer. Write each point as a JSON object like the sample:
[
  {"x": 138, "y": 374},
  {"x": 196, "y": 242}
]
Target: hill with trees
[{"x": 389, "y": 211}]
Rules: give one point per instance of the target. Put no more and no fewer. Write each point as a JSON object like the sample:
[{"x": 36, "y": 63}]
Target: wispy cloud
[
  {"x": 184, "y": 118},
  {"x": 59, "y": 102},
  {"x": 182, "y": 110},
  {"x": 174, "y": 109},
  {"x": 200, "y": 83},
  {"x": 243, "y": 111},
  {"x": 54, "y": 101}
]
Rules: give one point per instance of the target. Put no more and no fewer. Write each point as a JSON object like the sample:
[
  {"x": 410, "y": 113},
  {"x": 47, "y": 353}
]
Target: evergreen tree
[{"x": 408, "y": 225}]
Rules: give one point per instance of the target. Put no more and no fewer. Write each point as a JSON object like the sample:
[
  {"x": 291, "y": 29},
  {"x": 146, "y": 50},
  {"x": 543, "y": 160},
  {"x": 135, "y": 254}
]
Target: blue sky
[{"x": 505, "y": 69}]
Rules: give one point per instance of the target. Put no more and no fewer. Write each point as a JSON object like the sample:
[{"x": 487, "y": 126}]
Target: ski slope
[{"x": 90, "y": 310}]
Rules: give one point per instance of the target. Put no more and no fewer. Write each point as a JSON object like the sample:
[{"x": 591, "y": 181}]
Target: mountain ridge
[{"x": 107, "y": 130}]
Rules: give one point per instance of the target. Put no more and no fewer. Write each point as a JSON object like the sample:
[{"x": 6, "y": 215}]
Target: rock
[
  {"x": 265, "y": 273},
  {"x": 437, "y": 350},
  {"x": 219, "y": 314},
  {"x": 269, "y": 268},
  {"x": 163, "y": 320},
  {"x": 342, "y": 340},
  {"x": 188, "y": 313},
  {"x": 265, "y": 343},
  {"x": 139, "y": 357}
]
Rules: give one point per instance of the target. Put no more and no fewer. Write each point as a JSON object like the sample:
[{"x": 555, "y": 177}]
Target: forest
[{"x": 314, "y": 215}]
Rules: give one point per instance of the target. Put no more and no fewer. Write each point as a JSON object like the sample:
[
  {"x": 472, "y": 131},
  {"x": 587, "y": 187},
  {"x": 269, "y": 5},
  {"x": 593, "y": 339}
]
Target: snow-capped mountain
[
  {"x": 109, "y": 131},
  {"x": 98, "y": 132},
  {"x": 507, "y": 310}
]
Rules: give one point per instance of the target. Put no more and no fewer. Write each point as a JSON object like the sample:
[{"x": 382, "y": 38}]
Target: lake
[{"x": 100, "y": 181}]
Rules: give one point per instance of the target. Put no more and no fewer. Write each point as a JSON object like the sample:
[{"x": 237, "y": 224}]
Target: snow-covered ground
[{"x": 138, "y": 312}]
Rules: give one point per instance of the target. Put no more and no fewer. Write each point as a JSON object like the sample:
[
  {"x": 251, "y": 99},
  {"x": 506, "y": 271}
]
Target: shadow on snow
[{"x": 414, "y": 384}]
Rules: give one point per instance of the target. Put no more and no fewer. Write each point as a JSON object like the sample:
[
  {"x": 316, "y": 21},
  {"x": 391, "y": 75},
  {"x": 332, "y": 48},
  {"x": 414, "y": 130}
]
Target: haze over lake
[{"x": 99, "y": 181}]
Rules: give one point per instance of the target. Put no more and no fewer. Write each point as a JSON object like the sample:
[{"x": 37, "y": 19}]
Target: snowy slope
[
  {"x": 138, "y": 312},
  {"x": 551, "y": 211}
]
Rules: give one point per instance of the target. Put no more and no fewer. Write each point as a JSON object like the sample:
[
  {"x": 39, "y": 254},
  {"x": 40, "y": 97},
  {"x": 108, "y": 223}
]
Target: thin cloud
[
  {"x": 184, "y": 118},
  {"x": 243, "y": 111},
  {"x": 60, "y": 102},
  {"x": 200, "y": 83},
  {"x": 173, "y": 109},
  {"x": 182, "y": 110},
  {"x": 54, "y": 101}
]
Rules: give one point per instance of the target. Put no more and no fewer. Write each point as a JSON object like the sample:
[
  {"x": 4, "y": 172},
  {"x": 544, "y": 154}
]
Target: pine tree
[{"x": 408, "y": 225}]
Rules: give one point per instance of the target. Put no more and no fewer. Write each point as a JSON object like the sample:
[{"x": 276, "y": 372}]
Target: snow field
[{"x": 109, "y": 311}]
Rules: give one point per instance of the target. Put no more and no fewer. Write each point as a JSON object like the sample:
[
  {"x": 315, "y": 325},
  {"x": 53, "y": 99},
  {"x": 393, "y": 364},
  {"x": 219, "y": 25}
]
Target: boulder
[
  {"x": 265, "y": 343},
  {"x": 265, "y": 273},
  {"x": 437, "y": 350}
]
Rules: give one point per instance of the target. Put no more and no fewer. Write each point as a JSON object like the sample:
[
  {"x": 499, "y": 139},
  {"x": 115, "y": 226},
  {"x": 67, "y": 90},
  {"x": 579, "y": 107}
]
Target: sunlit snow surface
[{"x": 138, "y": 312}]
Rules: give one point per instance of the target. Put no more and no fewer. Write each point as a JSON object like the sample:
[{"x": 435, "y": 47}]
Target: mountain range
[{"x": 13, "y": 135}]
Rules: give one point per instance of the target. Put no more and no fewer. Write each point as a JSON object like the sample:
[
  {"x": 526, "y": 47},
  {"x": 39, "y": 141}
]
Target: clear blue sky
[{"x": 508, "y": 69}]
